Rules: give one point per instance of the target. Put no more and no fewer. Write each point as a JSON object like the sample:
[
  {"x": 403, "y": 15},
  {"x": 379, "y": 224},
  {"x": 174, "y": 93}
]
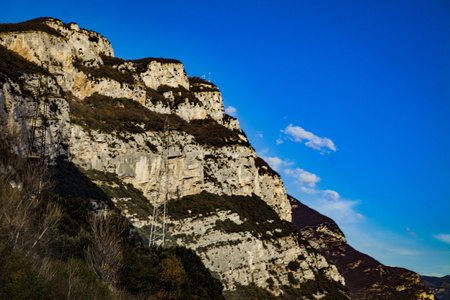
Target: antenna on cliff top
[
  {"x": 209, "y": 77},
  {"x": 158, "y": 226}
]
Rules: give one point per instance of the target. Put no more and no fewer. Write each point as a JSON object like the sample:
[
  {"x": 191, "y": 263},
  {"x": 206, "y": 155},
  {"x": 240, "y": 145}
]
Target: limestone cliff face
[
  {"x": 58, "y": 50},
  {"x": 192, "y": 167},
  {"x": 17, "y": 109},
  {"x": 107, "y": 116},
  {"x": 240, "y": 257},
  {"x": 63, "y": 85},
  {"x": 74, "y": 57}
]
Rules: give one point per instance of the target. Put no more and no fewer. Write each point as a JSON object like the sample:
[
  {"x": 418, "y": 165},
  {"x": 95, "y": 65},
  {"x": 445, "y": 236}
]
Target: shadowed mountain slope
[
  {"x": 365, "y": 277},
  {"x": 439, "y": 285}
]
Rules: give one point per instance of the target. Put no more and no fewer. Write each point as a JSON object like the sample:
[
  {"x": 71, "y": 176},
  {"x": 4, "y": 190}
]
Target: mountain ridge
[
  {"x": 106, "y": 116},
  {"x": 366, "y": 278}
]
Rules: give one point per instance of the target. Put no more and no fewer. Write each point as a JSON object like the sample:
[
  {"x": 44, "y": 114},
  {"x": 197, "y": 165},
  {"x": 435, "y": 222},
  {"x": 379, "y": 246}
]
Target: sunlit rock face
[
  {"x": 240, "y": 257},
  {"x": 71, "y": 54},
  {"x": 192, "y": 168},
  {"x": 117, "y": 120}
]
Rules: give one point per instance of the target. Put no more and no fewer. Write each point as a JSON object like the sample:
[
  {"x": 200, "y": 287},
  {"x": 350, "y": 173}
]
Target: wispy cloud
[
  {"x": 298, "y": 134},
  {"x": 232, "y": 111},
  {"x": 401, "y": 251},
  {"x": 303, "y": 178},
  {"x": 332, "y": 195},
  {"x": 411, "y": 233},
  {"x": 443, "y": 238},
  {"x": 277, "y": 163},
  {"x": 341, "y": 210},
  {"x": 327, "y": 202}
]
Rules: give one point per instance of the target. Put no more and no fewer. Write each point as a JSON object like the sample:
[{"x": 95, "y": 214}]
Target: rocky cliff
[
  {"x": 366, "y": 278},
  {"x": 68, "y": 99},
  {"x": 64, "y": 95}
]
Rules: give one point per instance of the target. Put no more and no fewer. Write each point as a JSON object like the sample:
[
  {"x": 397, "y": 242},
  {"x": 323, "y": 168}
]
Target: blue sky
[{"x": 348, "y": 100}]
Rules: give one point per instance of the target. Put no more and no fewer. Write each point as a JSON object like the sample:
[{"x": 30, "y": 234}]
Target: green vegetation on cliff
[
  {"x": 110, "y": 68},
  {"x": 258, "y": 217},
  {"x": 109, "y": 115},
  {"x": 13, "y": 65},
  {"x": 31, "y": 25},
  {"x": 54, "y": 247},
  {"x": 197, "y": 84}
]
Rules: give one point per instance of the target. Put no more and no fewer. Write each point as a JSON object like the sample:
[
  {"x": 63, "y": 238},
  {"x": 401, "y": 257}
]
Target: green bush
[
  {"x": 18, "y": 280},
  {"x": 145, "y": 271},
  {"x": 71, "y": 237},
  {"x": 151, "y": 147}
]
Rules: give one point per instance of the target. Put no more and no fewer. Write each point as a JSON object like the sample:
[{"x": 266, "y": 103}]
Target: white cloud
[
  {"x": 298, "y": 134},
  {"x": 232, "y": 111},
  {"x": 279, "y": 141},
  {"x": 304, "y": 178},
  {"x": 276, "y": 163},
  {"x": 332, "y": 195},
  {"x": 341, "y": 210},
  {"x": 309, "y": 190},
  {"x": 260, "y": 135},
  {"x": 443, "y": 237}
]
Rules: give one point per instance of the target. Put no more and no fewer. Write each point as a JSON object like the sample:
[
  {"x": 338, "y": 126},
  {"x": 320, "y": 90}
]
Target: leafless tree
[
  {"x": 104, "y": 255},
  {"x": 25, "y": 219}
]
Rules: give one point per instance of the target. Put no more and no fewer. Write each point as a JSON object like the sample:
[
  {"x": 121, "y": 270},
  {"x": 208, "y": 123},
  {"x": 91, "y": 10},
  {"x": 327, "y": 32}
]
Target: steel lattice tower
[
  {"x": 39, "y": 125},
  {"x": 158, "y": 226}
]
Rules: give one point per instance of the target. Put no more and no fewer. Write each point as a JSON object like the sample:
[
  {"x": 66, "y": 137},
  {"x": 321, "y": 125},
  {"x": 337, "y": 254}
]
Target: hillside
[
  {"x": 116, "y": 133},
  {"x": 439, "y": 285},
  {"x": 365, "y": 277}
]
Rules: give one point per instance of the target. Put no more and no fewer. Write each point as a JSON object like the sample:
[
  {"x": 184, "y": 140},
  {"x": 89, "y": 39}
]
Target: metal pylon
[
  {"x": 38, "y": 127},
  {"x": 158, "y": 226}
]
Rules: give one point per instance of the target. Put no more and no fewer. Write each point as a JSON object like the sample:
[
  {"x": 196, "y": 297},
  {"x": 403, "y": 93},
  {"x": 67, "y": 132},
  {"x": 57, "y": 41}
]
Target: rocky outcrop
[
  {"x": 366, "y": 278},
  {"x": 80, "y": 63},
  {"x": 115, "y": 120},
  {"x": 21, "y": 115},
  {"x": 439, "y": 285},
  {"x": 241, "y": 257},
  {"x": 68, "y": 99}
]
